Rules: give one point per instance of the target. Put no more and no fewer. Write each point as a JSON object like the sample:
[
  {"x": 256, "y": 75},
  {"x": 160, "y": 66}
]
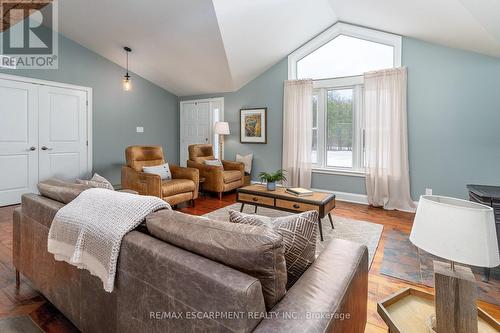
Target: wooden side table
[
  {"x": 408, "y": 310},
  {"x": 200, "y": 188}
]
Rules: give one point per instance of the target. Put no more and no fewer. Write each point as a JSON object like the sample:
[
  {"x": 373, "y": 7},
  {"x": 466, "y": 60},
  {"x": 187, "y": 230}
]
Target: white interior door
[
  {"x": 196, "y": 126},
  {"x": 18, "y": 140},
  {"x": 62, "y": 133}
]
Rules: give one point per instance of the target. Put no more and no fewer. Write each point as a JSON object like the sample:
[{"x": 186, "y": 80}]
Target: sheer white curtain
[
  {"x": 386, "y": 140},
  {"x": 297, "y": 132}
]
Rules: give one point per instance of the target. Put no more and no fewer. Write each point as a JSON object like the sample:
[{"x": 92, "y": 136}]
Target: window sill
[{"x": 341, "y": 172}]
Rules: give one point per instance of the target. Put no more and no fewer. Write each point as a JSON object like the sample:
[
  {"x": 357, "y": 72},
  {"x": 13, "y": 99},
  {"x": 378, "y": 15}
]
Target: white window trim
[
  {"x": 338, "y": 29},
  {"x": 339, "y": 171},
  {"x": 320, "y": 166}
]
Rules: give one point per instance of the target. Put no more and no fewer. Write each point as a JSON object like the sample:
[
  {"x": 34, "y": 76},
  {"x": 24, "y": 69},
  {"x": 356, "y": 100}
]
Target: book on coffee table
[{"x": 300, "y": 192}]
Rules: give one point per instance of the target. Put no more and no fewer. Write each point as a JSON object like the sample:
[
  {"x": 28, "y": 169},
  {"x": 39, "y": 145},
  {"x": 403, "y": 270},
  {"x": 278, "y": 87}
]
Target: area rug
[
  {"x": 403, "y": 260},
  {"x": 19, "y": 324},
  {"x": 353, "y": 230}
]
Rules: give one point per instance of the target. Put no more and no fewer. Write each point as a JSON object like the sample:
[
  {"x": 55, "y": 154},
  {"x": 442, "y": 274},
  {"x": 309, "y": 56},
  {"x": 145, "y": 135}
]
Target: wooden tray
[{"x": 408, "y": 310}]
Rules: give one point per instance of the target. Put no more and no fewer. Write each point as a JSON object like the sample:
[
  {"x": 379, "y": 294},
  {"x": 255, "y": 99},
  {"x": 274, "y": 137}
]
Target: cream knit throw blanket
[{"x": 88, "y": 231}]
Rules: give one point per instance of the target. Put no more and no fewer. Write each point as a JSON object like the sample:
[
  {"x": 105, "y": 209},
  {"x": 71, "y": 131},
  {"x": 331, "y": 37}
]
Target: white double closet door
[{"x": 43, "y": 133}]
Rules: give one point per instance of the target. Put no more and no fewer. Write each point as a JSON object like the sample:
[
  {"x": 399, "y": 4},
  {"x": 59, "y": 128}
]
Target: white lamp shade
[
  {"x": 457, "y": 230},
  {"x": 221, "y": 128}
]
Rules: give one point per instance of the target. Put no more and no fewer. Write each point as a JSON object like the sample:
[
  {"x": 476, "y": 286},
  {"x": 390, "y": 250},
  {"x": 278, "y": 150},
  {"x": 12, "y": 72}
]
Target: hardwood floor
[{"x": 28, "y": 302}]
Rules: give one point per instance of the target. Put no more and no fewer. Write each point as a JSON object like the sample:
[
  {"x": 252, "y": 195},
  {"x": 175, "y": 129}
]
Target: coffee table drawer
[
  {"x": 256, "y": 199},
  {"x": 298, "y": 206}
]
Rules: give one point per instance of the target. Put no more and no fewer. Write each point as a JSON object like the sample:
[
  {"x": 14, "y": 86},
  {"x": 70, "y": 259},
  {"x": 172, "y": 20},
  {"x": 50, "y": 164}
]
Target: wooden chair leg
[
  {"x": 220, "y": 195},
  {"x": 242, "y": 206},
  {"x": 331, "y": 221},
  {"x": 320, "y": 228},
  {"x": 192, "y": 203},
  {"x": 18, "y": 279}
]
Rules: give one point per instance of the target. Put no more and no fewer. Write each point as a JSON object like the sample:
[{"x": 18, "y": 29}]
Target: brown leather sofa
[
  {"x": 183, "y": 187},
  {"x": 164, "y": 284},
  {"x": 217, "y": 179}
]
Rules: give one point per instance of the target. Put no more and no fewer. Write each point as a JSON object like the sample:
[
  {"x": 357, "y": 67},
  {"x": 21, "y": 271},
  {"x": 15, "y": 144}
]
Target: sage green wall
[
  {"x": 453, "y": 118},
  {"x": 264, "y": 91},
  {"x": 116, "y": 113},
  {"x": 453, "y": 121}
]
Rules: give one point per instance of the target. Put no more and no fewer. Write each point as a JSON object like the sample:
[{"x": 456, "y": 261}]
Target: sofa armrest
[
  {"x": 331, "y": 296},
  {"x": 214, "y": 175},
  {"x": 186, "y": 173},
  {"x": 144, "y": 183},
  {"x": 232, "y": 165},
  {"x": 127, "y": 190},
  {"x": 205, "y": 168}
]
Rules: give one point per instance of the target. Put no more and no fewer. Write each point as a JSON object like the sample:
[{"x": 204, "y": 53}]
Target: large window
[
  {"x": 345, "y": 56},
  {"x": 336, "y": 61},
  {"x": 337, "y": 129}
]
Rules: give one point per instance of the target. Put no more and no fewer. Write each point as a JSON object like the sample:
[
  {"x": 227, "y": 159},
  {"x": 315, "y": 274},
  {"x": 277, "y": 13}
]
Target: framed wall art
[{"x": 253, "y": 125}]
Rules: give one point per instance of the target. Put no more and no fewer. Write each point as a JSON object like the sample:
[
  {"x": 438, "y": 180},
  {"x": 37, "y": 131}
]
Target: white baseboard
[
  {"x": 346, "y": 196},
  {"x": 341, "y": 196}
]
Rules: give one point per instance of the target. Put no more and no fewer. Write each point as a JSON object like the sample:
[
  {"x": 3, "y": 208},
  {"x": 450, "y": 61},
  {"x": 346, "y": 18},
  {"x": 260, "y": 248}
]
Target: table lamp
[
  {"x": 459, "y": 231},
  {"x": 221, "y": 128}
]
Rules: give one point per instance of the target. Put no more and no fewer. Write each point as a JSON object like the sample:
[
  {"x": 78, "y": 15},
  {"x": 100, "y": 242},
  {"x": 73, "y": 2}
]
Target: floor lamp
[{"x": 221, "y": 128}]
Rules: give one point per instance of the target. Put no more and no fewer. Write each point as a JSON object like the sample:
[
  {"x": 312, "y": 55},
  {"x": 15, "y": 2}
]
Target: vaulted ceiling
[{"x": 202, "y": 46}]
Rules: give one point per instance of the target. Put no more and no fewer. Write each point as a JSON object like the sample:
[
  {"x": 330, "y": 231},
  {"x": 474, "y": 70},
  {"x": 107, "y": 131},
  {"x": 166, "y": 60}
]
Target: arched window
[{"x": 336, "y": 60}]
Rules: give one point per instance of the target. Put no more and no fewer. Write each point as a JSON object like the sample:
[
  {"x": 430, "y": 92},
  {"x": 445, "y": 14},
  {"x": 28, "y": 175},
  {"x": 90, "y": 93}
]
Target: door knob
[
  {"x": 46, "y": 148},
  {"x": 32, "y": 148}
]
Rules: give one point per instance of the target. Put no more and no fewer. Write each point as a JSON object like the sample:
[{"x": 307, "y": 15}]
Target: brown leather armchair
[
  {"x": 217, "y": 179},
  {"x": 183, "y": 186}
]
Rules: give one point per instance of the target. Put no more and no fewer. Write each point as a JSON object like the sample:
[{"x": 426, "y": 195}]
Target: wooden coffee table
[{"x": 259, "y": 196}]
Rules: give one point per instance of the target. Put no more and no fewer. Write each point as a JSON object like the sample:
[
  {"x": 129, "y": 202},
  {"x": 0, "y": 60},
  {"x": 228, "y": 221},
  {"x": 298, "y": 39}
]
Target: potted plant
[{"x": 272, "y": 178}]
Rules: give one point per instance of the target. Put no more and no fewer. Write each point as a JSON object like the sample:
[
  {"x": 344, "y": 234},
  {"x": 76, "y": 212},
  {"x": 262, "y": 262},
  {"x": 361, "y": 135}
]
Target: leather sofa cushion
[
  {"x": 254, "y": 250},
  {"x": 176, "y": 186},
  {"x": 231, "y": 176},
  {"x": 61, "y": 190}
]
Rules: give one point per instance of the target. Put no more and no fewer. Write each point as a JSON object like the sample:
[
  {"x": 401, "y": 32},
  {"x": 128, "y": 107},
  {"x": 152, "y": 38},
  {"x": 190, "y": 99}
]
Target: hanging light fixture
[{"x": 127, "y": 84}]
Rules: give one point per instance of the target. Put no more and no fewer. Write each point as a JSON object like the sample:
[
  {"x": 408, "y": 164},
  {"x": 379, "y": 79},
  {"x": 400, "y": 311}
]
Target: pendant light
[{"x": 127, "y": 84}]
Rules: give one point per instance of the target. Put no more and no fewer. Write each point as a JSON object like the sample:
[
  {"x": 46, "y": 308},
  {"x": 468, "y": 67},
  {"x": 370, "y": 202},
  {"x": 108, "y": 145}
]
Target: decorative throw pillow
[
  {"x": 61, "y": 190},
  {"x": 299, "y": 238},
  {"x": 247, "y": 160},
  {"x": 161, "y": 170},
  {"x": 213, "y": 162},
  {"x": 97, "y": 181}
]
